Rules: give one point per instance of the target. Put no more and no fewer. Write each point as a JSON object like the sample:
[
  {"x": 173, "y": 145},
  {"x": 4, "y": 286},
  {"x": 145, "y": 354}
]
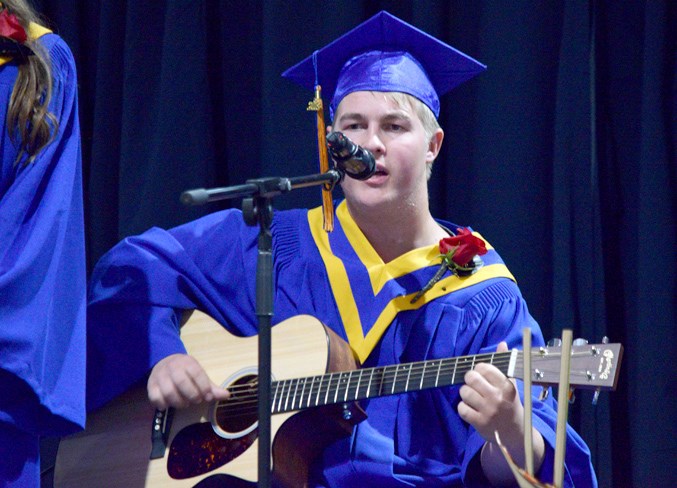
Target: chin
[{"x": 371, "y": 200}]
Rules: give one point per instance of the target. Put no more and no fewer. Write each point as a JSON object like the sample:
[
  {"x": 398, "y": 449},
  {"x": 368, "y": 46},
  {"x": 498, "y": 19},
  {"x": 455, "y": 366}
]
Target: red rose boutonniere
[
  {"x": 11, "y": 28},
  {"x": 460, "y": 254}
]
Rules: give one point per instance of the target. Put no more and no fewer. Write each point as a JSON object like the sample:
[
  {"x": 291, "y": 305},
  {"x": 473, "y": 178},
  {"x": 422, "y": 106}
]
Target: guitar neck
[
  {"x": 359, "y": 384},
  {"x": 592, "y": 366}
]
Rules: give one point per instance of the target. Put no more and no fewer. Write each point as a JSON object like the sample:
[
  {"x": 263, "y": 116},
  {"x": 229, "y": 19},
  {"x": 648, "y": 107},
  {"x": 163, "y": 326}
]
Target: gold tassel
[{"x": 316, "y": 105}]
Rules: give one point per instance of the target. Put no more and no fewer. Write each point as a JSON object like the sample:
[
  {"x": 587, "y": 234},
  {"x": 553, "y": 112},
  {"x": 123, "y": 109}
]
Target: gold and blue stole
[{"x": 370, "y": 293}]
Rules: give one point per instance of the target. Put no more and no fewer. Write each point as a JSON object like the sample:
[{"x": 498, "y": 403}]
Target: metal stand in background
[{"x": 257, "y": 208}]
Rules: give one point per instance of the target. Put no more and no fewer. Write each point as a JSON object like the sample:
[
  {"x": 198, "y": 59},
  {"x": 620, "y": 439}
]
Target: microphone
[{"x": 349, "y": 158}]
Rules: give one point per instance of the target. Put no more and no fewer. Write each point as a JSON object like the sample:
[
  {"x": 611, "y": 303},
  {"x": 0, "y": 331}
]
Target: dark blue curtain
[{"x": 562, "y": 154}]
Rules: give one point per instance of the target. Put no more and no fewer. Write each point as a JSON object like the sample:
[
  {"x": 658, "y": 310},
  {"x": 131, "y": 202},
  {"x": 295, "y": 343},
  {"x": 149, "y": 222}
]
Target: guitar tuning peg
[
  {"x": 555, "y": 342},
  {"x": 572, "y": 396},
  {"x": 595, "y": 397},
  {"x": 605, "y": 340},
  {"x": 580, "y": 342},
  {"x": 545, "y": 393}
]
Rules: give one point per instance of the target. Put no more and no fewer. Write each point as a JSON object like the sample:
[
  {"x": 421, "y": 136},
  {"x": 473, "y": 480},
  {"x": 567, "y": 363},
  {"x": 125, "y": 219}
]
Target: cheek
[
  {"x": 348, "y": 185},
  {"x": 411, "y": 159}
]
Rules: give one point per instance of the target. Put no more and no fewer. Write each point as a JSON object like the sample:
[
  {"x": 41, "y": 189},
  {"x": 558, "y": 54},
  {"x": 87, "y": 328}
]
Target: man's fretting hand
[{"x": 490, "y": 402}]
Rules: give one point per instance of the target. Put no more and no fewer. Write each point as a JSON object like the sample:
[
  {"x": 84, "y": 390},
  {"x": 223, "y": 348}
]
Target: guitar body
[{"x": 201, "y": 448}]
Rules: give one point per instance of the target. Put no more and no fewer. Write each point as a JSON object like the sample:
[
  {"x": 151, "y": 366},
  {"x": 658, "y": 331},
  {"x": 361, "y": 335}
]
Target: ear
[{"x": 434, "y": 146}]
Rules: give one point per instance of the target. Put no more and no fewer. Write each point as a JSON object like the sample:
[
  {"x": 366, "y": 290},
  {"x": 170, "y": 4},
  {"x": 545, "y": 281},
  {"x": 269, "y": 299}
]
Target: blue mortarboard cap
[{"x": 386, "y": 54}]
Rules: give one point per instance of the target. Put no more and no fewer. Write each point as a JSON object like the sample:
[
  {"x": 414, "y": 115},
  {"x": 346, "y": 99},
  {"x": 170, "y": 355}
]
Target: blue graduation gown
[
  {"x": 42, "y": 265},
  {"x": 139, "y": 289}
]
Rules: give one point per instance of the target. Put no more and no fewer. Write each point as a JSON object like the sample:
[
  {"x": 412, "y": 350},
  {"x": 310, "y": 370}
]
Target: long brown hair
[{"x": 29, "y": 122}]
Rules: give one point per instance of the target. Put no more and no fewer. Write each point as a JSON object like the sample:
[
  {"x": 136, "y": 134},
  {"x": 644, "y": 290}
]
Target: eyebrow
[
  {"x": 350, "y": 116},
  {"x": 389, "y": 117},
  {"x": 397, "y": 115}
]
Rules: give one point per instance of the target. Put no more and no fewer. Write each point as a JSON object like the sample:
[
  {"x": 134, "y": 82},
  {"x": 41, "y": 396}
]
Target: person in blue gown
[
  {"x": 373, "y": 280},
  {"x": 42, "y": 250}
]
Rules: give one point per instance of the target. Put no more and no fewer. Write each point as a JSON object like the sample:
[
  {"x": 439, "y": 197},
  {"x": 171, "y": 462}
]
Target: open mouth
[{"x": 380, "y": 171}]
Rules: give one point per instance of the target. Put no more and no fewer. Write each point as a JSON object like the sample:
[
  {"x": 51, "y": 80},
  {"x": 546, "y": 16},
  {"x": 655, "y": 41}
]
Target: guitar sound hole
[
  {"x": 239, "y": 413},
  {"x": 203, "y": 447}
]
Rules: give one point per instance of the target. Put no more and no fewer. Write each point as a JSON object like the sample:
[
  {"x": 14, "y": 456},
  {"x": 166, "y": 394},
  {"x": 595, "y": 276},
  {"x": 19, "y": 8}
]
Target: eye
[
  {"x": 394, "y": 127},
  {"x": 351, "y": 126}
]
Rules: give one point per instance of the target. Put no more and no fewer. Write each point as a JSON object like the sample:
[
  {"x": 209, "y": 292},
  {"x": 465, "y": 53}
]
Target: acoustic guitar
[{"x": 316, "y": 384}]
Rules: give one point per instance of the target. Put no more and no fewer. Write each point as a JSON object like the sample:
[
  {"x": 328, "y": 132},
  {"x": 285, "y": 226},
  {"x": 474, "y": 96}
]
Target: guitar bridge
[{"x": 162, "y": 422}]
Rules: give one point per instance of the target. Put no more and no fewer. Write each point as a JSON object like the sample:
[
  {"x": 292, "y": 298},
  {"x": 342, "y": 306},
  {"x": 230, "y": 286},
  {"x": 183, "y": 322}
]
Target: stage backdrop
[{"x": 562, "y": 154}]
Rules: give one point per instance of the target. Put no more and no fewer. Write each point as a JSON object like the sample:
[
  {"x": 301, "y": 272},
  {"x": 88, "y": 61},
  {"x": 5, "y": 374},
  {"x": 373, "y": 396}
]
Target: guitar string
[
  {"x": 246, "y": 397},
  {"x": 328, "y": 383},
  {"x": 246, "y": 401},
  {"x": 500, "y": 359}
]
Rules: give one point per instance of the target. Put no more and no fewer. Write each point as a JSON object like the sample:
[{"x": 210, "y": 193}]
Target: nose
[{"x": 374, "y": 143}]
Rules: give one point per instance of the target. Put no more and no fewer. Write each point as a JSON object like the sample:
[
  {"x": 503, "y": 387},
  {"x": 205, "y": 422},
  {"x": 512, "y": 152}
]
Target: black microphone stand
[{"x": 257, "y": 208}]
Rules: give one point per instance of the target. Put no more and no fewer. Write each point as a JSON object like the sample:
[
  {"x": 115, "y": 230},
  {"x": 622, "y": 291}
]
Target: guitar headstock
[{"x": 593, "y": 366}]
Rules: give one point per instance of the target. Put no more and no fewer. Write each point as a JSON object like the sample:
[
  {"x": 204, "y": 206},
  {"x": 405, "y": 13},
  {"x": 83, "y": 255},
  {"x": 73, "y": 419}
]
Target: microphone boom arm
[{"x": 260, "y": 187}]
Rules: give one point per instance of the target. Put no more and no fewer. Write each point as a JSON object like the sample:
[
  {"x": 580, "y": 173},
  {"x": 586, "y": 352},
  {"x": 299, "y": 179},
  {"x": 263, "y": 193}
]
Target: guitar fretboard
[{"x": 359, "y": 384}]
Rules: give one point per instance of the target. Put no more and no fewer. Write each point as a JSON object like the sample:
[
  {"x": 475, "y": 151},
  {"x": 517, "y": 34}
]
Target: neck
[{"x": 394, "y": 231}]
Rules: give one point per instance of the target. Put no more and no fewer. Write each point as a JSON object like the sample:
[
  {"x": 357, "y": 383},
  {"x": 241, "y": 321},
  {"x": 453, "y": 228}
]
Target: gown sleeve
[{"x": 139, "y": 290}]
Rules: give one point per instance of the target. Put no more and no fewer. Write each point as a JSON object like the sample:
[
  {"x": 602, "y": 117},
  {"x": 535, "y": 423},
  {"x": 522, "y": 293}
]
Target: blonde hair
[{"x": 29, "y": 123}]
